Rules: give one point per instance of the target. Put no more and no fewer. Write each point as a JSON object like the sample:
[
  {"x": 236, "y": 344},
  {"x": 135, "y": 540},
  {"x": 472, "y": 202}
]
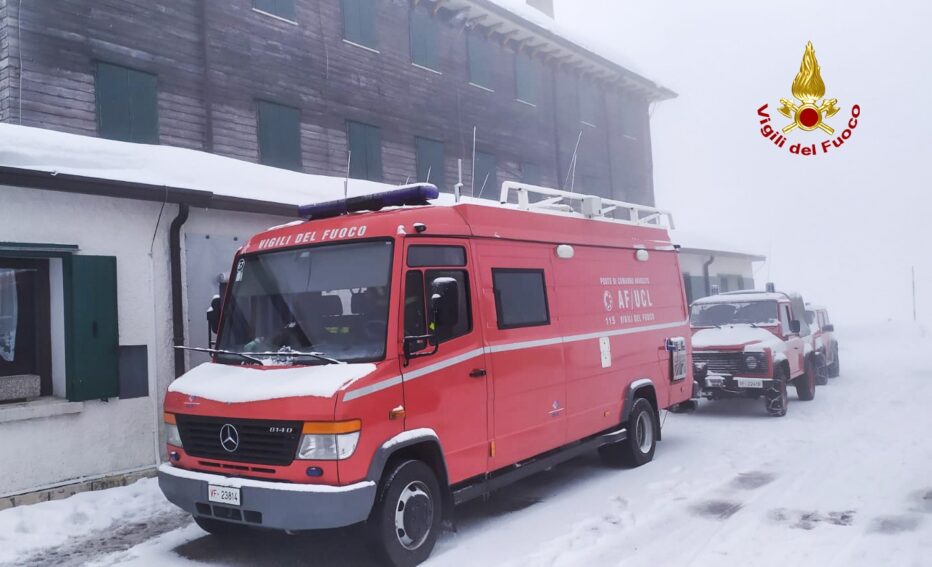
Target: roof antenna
[
  {"x": 458, "y": 188},
  {"x": 349, "y": 162},
  {"x": 474, "y": 130},
  {"x": 571, "y": 172}
]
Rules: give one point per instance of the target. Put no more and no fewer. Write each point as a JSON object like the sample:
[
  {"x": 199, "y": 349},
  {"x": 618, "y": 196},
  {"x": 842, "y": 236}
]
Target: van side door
[{"x": 446, "y": 391}]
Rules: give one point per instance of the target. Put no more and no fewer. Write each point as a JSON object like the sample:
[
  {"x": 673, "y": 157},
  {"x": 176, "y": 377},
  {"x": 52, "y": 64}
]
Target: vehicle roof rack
[
  {"x": 754, "y": 292},
  {"x": 590, "y": 206}
]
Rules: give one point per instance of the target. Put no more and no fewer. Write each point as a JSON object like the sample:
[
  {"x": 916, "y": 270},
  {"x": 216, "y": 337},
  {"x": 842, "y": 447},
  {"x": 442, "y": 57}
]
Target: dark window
[
  {"x": 280, "y": 8},
  {"x": 424, "y": 38},
  {"x": 127, "y": 104},
  {"x": 486, "y": 180},
  {"x": 785, "y": 319},
  {"x": 365, "y": 145},
  {"x": 420, "y": 256},
  {"x": 526, "y": 78},
  {"x": 520, "y": 298},
  {"x": 416, "y": 306},
  {"x": 279, "y": 135},
  {"x": 588, "y": 103},
  {"x": 479, "y": 52},
  {"x": 430, "y": 167},
  {"x": 530, "y": 173},
  {"x": 24, "y": 321},
  {"x": 359, "y": 22}
]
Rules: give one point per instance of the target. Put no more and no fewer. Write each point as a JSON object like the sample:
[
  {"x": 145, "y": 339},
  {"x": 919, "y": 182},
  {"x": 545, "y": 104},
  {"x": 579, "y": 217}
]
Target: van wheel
[
  {"x": 805, "y": 384},
  {"x": 405, "y": 520},
  {"x": 821, "y": 372},
  {"x": 220, "y": 529},
  {"x": 641, "y": 443},
  {"x": 776, "y": 398},
  {"x": 834, "y": 369}
]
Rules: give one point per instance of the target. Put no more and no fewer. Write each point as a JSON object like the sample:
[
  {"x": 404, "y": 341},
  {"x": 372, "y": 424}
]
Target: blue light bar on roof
[{"x": 416, "y": 194}]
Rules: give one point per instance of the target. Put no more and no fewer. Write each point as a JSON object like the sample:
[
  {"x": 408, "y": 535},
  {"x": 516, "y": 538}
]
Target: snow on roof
[
  {"x": 742, "y": 297},
  {"x": 57, "y": 152},
  {"x": 690, "y": 240}
]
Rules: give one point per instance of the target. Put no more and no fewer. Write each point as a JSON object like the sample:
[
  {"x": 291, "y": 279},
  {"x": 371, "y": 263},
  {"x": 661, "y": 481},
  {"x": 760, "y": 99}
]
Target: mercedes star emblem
[{"x": 229, "y": 438}]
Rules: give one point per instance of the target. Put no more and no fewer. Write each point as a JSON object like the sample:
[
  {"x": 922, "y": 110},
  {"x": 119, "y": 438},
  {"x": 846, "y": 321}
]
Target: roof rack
[{"x": 590, "y": 206}]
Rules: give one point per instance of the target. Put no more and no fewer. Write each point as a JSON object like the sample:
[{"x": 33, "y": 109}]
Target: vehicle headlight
[
  {"x": 329, "y": 441},
  {"x": 751, "y": 362},
  {"x": 173, "y": 437}
]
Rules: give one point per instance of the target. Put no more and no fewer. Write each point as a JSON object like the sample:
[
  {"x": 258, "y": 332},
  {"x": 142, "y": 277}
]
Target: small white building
[{"x": 711, "y": 267}]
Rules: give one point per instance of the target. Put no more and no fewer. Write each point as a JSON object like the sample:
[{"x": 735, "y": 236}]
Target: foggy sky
[{"x": 843, "y": 228}]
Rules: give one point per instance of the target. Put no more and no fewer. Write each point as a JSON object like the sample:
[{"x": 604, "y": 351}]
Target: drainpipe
[
  {"x": 705, "y": 274},
  {"x": 174, "y": 244}
]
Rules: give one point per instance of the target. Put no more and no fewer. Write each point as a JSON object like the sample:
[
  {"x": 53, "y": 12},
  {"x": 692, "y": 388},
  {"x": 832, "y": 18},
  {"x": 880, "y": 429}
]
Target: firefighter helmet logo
[{"x": 809, "y": 90}]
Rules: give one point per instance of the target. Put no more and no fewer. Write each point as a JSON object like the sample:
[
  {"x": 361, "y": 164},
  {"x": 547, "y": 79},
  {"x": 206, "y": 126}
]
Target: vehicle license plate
[
  {"x": 750, "y": 382},
  {"x": 223, "y": 495}
]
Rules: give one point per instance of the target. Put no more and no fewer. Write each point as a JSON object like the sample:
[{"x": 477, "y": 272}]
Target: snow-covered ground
[{"x": 844, "y": 480}]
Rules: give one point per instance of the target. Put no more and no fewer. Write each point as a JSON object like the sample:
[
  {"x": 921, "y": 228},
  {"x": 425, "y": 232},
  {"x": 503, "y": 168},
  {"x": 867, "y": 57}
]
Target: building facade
[{"x": 387, "y": 90}]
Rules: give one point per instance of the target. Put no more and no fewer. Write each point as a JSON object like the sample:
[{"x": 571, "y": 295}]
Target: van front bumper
[{"x": 274, "y": 505}]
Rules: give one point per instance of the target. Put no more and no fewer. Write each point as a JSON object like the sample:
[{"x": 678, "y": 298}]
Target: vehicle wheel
[
  {"x": 405, "y": 520},
  {"x": 775, "y": 399},
  {"x": 834, "y": 369},
  {"x": 639, "y": 447},
  {"x": 220, "y": 529},
  {"x": 805, "y": 384},
  {"x": 821, "y": 372}
]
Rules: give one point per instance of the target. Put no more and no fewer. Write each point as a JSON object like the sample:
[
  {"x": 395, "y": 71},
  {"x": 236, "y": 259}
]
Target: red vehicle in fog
[
  {"x": 752, "y": 344},
  {"x": 380, "y": 367},
  {"x": 823, "y": 343}
]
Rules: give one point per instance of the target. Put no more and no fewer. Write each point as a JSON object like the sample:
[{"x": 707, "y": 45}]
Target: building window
[
  {"x": 359, "y": 22},
  {"x": 480, "y": 55},
  {"x": 424, "y": 38},
  {"x": 127, "y": 104},
  {"x": 279, "y": 135},
  {"x": 530, "y": 173},
  {"x": 520, "y": 298},
  {"x": 430, "y": 166},
  {"x": 485, "y": 180},
  {"x": 588, "y": 103},
  {"x": 526, "y": 78},
  {"x": 281, "y": 8},
  {"x": 24, "y": 328},
  {"x": 365, "y": 146}
]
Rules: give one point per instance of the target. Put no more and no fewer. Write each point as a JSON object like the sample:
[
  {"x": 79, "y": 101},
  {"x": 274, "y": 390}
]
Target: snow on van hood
[
  {"x": 236, "y": 384},
  {"x": 736, "y": 336}
]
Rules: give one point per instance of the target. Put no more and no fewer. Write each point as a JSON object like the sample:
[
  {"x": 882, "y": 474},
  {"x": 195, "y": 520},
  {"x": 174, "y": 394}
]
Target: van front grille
[{"x": 241, "y": 440}]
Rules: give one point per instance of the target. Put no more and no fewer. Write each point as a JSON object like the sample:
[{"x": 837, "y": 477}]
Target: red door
[{"x": 446, "y": 391}]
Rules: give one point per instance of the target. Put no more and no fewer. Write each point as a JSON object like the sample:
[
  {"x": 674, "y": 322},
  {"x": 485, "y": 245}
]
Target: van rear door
[{"x": 446, "y": 391}]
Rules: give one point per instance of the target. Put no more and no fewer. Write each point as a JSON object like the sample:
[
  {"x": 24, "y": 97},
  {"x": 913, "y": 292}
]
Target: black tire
[
  {"x": 834, "y": 369},
  {"x": 405, "y": 521},
  {"x": 220, "y": 529},
  {"x": 821, "y": 371},
  {"x": 641, "y": 443},
  {"x": 806, "y": 383},
  {"x": 776, "y": 399}
]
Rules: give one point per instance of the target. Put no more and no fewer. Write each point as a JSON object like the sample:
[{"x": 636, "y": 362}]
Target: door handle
[{"x": 477, "y": 373}]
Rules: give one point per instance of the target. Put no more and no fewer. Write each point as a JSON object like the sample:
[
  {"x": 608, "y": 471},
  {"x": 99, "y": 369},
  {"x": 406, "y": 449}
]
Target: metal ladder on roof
[{"x": 587, "y": 206}]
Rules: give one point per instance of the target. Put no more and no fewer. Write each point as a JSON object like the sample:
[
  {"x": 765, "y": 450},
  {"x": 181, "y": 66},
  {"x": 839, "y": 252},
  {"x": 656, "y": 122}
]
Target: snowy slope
[{"x": 844, "y": 480}]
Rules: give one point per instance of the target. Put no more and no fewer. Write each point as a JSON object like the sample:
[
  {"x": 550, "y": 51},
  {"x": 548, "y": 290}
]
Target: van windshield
[
  {"x": 329, "y": 300},
  {"x": 734, "y": 313}
]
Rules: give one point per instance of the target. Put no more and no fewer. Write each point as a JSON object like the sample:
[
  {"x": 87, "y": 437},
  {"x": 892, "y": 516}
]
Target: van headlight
[
  {"x": 172, "y": 436},
  {"x": 329, "y": 441},
  {"x": 755, "y": 362}
]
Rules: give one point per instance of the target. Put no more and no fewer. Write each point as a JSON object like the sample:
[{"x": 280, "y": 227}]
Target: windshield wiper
[
  {"x": 242, "y": 355},
  {"x": 287, "y": 352}
]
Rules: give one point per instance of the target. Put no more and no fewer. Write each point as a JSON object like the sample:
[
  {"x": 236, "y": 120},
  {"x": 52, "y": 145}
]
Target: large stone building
[{"x": 391, "y": 90}]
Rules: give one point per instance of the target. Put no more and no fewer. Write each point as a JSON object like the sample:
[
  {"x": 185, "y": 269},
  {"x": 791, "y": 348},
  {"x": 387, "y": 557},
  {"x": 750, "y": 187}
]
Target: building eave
[{"x": 723, "y": 253}]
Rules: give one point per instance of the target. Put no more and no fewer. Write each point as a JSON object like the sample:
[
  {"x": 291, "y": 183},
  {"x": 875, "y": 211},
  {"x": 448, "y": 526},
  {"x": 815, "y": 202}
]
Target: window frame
[
  {"x": 42, "y": 331},
  {"x": 368, "y": 129},
  {"x": 526, "y": 68},
  {"x": 426, "y": 275},
  {"x": 291, "y": 16},
  {"x": 479, "y": 52},
  {"x": 420, "y": 13},
  {"x": 498, "y": 299},
  {"x": 127, "y": 93},
  {"x": 428, "y": 145},
  {"x": 299, "y": 166},
  {"x": 370, "y": 43}
]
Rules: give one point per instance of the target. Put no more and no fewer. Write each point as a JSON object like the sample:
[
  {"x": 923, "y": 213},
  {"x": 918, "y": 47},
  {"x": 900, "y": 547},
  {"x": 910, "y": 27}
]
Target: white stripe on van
[{"x": 446, "y": 363}]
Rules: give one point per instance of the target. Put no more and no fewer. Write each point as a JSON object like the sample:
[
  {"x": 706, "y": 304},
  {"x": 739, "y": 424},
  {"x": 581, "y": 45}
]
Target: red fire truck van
[{"x": 388, "y": 359}]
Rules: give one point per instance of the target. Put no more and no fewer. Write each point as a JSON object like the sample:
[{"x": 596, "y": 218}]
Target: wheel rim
[
  {"x": 414, "y": 515},
  {"x": 644, "y": 432}
]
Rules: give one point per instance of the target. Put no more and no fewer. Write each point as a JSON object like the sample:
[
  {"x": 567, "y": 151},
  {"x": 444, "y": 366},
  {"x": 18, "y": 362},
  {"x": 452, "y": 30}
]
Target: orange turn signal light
[
  {"x": 331, "y": 427},
  {"x": 170, "y": 418}
]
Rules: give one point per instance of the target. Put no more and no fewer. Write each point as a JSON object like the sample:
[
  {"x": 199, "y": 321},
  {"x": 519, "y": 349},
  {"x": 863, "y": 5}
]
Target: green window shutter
[
  {"x": 430, "y": 162},
  {"x": 588, "y": 103},
  {"x": 91, "y": 328},
  {"x": 359, "y": 21},
  {"x": 486, "y": 182},
  {"x": 127, "y": 104},
  {"x": 279, "y": 135},
  {"x": 281, "y": 8},
  {"x": 479, "y": 52},
  {"x": 365, "y": 143},
  {"x": 424, "y": 38},
  {"x": 526, "y": 79}
]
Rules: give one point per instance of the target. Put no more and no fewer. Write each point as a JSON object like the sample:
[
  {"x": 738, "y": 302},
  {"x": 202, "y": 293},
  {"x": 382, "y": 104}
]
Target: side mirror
[
  {"x": 444, "y": 302},
  {"x": 795, "y": 326},
  {"x": 213, "y": 314},
  {"x": 828, "y": 328}
]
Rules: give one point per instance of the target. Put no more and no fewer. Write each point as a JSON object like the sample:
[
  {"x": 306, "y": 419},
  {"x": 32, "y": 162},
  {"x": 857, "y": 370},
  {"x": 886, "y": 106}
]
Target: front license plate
[
  {"x": 750, "y": 382},
  {"x": 223, "y": 495}
]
